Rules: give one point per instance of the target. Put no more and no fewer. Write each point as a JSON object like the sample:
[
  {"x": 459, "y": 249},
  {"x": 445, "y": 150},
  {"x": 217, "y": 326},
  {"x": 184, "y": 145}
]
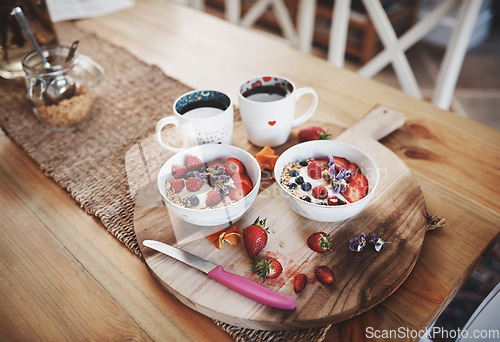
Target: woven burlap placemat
[{"x": 89, "y": 161}]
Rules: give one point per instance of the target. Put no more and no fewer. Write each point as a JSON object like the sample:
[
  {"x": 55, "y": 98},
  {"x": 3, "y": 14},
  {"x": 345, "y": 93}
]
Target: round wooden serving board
[{"x": 362, "y": 280}]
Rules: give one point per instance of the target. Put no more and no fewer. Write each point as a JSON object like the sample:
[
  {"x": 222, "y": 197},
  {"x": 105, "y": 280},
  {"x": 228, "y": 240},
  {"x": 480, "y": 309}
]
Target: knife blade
[{"x": 243, "y": 286}]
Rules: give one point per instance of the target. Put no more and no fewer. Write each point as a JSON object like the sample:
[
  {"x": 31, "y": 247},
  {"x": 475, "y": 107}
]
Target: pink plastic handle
[{"x": 252, "y": 290}]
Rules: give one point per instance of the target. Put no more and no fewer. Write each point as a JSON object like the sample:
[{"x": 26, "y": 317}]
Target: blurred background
[{"x": 477, "y": 93}]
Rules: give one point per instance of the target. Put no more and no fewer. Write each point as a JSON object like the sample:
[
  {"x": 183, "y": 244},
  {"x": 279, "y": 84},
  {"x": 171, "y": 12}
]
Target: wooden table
[{"x": 63, "y": 277}]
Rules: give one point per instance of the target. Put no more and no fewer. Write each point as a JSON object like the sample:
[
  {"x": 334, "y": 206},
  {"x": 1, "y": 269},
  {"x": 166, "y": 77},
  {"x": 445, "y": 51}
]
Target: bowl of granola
[
  {"x": 326, "y": 181},
  {"x": 209, "y": 185}
]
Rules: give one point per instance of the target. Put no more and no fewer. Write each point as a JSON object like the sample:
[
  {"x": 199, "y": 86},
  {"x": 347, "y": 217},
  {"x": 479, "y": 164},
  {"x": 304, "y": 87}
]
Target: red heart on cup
[{"x": 271, "y": 123}]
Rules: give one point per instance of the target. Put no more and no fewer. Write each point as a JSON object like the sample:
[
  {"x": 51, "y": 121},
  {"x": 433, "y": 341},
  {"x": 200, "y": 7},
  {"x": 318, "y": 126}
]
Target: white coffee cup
[
  {"x": 267, "y": 107},
  {"x": 204, "y": 117}
]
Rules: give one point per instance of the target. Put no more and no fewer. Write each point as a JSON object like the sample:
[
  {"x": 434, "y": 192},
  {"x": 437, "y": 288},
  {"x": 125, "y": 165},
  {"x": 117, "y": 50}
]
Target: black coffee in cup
[{"x": 266, "y": 93}]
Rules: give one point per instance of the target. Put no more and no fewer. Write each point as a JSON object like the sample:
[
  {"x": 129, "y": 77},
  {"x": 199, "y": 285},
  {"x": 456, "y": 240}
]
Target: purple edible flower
[
  {"x": 200, "y": 176},
  {"x": 216, "y": 170},
  {"x": 378, "y": 242},
  {"x": 339, "y": 183},
  {"x": 358, "y": 243}
]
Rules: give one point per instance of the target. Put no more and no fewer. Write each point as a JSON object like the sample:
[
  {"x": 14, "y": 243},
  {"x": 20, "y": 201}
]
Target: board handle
[
  {"x": 378, "y": 123},
  {"x": 252, "y": 290}
]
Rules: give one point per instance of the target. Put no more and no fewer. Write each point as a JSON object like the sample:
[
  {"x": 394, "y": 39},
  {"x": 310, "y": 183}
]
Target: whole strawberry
[
  {"x": 319, "y": 242},
  {"x": 255, "y": 237},
  {"x": 299, "y": 283},
  {"x": 324, "y": 275},
  {"x": 266, "y": 268},
  {"x": 313, "y": 133}
]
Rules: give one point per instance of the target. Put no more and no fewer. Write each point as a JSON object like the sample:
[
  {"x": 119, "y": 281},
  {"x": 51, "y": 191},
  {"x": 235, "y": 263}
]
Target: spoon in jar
[
  {"x": 21, "y": 19},
  {"x": 62, "y": 86}
]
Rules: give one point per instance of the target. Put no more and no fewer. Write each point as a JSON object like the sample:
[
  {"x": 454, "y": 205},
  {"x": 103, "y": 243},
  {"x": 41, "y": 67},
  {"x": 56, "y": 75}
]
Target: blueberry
[
  {"x": 194, "y": 200},
  {"x": 306, "y": 198},
  {"x": 202, "y": 169},
  {"x": 303, "y": 163},
  {"x": 340, "y": 202},
  {"x": 299, "y": 180},
  {"x": 294, "y": 173},
  {"x": 323, "y": 203},
  {"x": 306, "y": 186},
  {"x": 184, "y": 202},
  {"x": 292, "y": 186},
  {"x": 188, "y": 174}
]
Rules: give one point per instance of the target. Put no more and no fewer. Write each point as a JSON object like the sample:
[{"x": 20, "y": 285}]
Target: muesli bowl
[
  {"x": 321, "y": 149},
  {"x": 218, "y": 215}
]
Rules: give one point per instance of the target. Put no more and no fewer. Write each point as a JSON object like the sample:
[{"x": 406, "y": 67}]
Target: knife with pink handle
[{"x": 243, "y": 286}]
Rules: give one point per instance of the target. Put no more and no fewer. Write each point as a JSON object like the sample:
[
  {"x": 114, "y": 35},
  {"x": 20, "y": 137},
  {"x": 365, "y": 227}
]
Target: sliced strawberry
[
  {"x": 176, "y": 184},
  {"x": 213, "y": 198},
  {"x": 236, "y": 194},
  {"x": 178, "y": 171},
  {"x": 360, "y": 180},
  {"x": 193, "y": 163},
  {"x": 299, "y": 283},
  {"x": 244, "y": 182},
  {"x": 314, "y": 170},
  {"x": 320, "y": 192},
  {"x": 233, "y": 165},
  {"x": 193, "y": 184},
  {"x": 354, "y": 167},
  {"x": 354, "y": 192},
  {"x": 341, "y": 163}
]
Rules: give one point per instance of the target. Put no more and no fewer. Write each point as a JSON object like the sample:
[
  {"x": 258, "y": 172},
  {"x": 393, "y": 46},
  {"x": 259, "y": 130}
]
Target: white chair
[
  {"x": 393, "y": 52},
  {"x": 198, "y": 4},
  {"x": 299, "y": 37}
]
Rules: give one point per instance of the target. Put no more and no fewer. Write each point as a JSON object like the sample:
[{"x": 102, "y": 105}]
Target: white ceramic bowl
[
  {"x": 322, "y": 148},
  {"x": 215, "y": 216}
]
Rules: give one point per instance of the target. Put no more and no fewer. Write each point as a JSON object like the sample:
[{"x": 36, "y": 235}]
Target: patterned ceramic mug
[
  {"x": 267, "y": 107},
  {"x": 204, "y": 117}
]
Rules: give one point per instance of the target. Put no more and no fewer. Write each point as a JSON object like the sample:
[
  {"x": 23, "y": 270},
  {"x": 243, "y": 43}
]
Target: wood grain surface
[{"x": 362, "y": 280}]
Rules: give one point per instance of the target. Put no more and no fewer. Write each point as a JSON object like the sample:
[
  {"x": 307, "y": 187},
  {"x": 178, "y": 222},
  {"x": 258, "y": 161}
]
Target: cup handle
[
  {"x": 169, "y": 120},
  {"x": 312, "y": 108}
]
